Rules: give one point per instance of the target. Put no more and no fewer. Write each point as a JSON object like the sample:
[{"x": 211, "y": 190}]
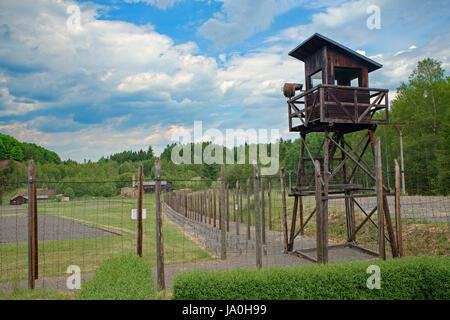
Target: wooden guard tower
[{"x": 337, "y": 100}]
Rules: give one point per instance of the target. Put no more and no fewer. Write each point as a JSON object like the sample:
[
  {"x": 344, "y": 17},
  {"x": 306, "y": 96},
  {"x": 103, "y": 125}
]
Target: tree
[
  {"x": 16, "y": 153},
  {"x": 3, "y": 152},
  {"x": 425, "y": 102}
]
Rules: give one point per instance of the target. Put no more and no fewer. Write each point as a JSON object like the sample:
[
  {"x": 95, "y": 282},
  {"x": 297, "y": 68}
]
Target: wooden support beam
[{"x": 380, "y": 205}]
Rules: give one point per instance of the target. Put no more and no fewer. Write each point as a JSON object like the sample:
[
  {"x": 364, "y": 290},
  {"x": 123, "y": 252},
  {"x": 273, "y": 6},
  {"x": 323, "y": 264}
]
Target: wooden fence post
[
  {"x": 283, "y": 202},
  {"x": 36, "y": 227},
  {"x": 236, "y": 207},
  {"x": 139, "y": 212},
  {"x": 31, "y": 225},
  {"x": 159, "y": 236},
  {"x": 228, "y": 207},
  {"x": 240, "y": 204},
  {"x": 214, "y": 209},
  {"x": 223, "y": 235},
  {"x": 257, "y": 217},
  {"x": 380, "y": 208},
  {"x": 398, "y": 218},
  {"x": 185, "y": 205},
  {"x": 210, "y": 206},
  {"x": 270, "y": 203},
  {"x": 249, "y": 222},
  {"x": 263, "y": 212},
  {"x": 319, "y": 214}
]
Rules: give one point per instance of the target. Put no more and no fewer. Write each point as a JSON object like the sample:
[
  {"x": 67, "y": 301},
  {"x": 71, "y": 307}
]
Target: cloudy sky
[{"x": 134, "y": 71}]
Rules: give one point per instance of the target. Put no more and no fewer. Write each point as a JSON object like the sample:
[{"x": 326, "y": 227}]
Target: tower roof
[{"x": 317, "y": 41}]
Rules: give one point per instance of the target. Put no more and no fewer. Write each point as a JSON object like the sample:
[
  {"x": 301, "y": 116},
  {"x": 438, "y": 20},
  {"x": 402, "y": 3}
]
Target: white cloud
[
  {"x": 117, "y": 86},
  {"x": 238, "y": 20},
  {"x": 161, "y": 4}
]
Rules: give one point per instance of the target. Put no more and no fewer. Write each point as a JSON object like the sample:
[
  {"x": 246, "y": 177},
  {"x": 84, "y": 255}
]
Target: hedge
[
  {"x": 404, "y": 279},
  {"x": 124, "y": 278}
]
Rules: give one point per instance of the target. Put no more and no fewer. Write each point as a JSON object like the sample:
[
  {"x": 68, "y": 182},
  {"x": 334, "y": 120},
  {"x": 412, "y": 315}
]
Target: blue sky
[{"x": 137, "y": 70}]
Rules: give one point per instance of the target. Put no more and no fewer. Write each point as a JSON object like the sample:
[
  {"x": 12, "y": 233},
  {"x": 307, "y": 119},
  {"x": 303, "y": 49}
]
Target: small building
[
  {"x": 18, "y": 199},
  {"x": 42, "y": 198},
  {"x": 45, "y": 192},
  {"x": 63, "y": 197},
  {"x": 149, "y": 186},
  {"x": 128, "y": 191}
]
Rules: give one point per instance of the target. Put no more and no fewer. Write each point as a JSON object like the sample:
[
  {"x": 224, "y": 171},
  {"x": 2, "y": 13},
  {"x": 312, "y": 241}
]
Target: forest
[{"x": 422, "y": 106}]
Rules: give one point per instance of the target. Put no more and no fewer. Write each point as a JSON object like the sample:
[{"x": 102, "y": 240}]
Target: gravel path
[
  {"x": 421, "y": 208},
  {"x": 240, "y": 251}
]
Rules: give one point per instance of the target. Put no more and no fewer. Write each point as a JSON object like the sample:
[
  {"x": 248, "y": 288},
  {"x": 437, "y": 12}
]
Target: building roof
[
  {"x": 152, "y": 183},
  {"x": 19, "y": 195},
  {"x": 317, "y": 41}
]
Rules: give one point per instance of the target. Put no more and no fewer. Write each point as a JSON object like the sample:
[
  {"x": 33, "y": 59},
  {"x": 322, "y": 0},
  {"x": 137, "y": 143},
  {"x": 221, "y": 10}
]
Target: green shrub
[
  {"x": 124, "y": 278},
  {"x": 404, "y": 279}
]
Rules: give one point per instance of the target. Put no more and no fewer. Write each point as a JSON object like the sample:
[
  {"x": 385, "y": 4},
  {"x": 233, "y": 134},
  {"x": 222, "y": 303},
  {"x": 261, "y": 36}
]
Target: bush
[
  {"x": 124, "y": 278},
  {"x": 404, "y": 279}
]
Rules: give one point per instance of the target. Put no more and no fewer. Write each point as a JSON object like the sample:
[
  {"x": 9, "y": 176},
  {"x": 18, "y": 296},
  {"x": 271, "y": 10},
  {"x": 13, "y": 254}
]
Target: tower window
[
  {"x": 347, "y": 76},
  {"x": 315, "y": 79}
]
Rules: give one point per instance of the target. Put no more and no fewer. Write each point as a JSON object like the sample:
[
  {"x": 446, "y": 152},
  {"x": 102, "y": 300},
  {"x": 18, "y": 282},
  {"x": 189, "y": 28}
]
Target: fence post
[
  {"x": 283, "y": 202},
  {"x": 223, "y": 235},
  {"x": 263, "y": 212},
  {"x": 185, "y": 205},
  {"x": 36, "y": 224},
  {"x": 236, "y": 207},
  {"x": 139, "y": 212},
  {"x": 379, "y": 191},
  {"x": 248, "y": 210},
  {"x": 159, "y": 237},
  {"x": 257, "y": 217},
  {"x": 31, "y": 225},
  {"x": 214, "y": 208},
  {"x": 270, "y": 204},
  {"x": 240, "y": 204},
  {"x": 208, "y": 203},
  {"x": 228, "y": 207},
  {"x": 319, "y": 214},
  {"x": 398, "y": 218}
]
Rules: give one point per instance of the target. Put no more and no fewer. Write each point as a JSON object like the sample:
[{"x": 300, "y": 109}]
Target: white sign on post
[{"x": 134, "y": 214}]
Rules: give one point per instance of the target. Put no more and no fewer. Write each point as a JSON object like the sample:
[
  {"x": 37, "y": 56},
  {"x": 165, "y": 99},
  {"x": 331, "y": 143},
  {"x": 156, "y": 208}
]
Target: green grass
[
  {"x": 25, "y": 294},
  {"x": 413, "y": 278},
  {"x": 56, "y": 255},
  {"x": 123, "y": 278}
]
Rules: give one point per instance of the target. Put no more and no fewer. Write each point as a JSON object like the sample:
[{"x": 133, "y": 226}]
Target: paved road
[{"x": 15, "y": 229}]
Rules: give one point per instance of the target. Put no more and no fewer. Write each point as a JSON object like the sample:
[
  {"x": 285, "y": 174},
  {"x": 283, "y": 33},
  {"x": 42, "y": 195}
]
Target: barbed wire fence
[{"x": 42, "y": 233}]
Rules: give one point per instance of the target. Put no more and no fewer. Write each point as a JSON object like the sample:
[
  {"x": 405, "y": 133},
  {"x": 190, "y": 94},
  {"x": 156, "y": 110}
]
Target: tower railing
[{"x": 327, "y": 103}]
